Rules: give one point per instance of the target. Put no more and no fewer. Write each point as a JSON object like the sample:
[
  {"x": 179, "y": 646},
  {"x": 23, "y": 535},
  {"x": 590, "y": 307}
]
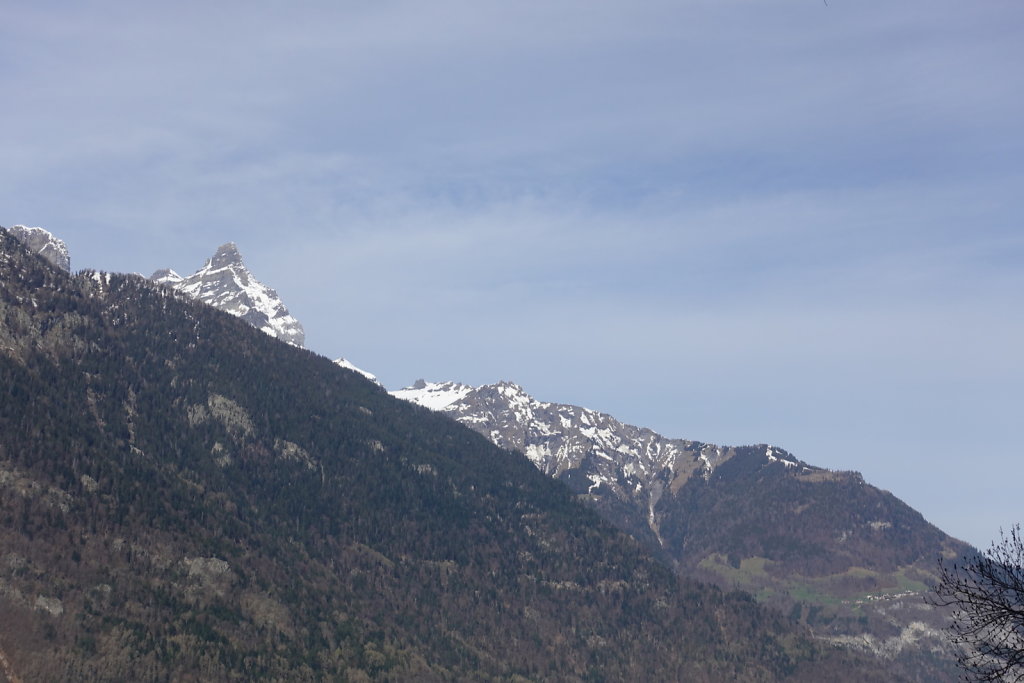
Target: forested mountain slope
[
  {"x": 183, "y": 497},
  {"x": 852, "y": 561}
]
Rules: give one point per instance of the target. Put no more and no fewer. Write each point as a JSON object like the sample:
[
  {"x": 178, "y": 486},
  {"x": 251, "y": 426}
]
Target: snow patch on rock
[
  {"x": 43, "y": 242},
  {"x": 225, "y": 282}
]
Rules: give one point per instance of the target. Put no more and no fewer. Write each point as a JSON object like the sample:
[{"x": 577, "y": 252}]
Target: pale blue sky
[{"x": 729, "y": 221}]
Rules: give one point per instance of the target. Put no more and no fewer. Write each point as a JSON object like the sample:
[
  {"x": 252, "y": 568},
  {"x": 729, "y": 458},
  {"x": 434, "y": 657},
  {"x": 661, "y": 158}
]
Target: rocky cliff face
[
  {"x": 42, "y": 242},
  {"x": 225, "y": 282}
]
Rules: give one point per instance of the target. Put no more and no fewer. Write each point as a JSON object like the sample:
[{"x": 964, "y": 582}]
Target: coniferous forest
[{"x": 185, "y": 498}]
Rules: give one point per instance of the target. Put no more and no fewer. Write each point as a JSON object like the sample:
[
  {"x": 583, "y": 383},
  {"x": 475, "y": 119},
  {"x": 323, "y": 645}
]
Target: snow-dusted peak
[
  {"x": 349, "y": 366},
  {"x": 166, "y": 276},
  {"x": 43, "y": 242},
  {"x": 511, "y": 389},
  {"x": 434, "y": 395},
  {"x": 224, "y": 282}
]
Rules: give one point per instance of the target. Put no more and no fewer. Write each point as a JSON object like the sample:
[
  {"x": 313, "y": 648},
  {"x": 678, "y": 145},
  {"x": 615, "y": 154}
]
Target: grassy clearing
[{"x": 856, "y": 584}]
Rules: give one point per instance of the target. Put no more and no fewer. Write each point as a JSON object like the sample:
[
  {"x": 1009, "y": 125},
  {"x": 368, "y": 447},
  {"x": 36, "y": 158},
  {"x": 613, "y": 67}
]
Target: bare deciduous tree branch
[{"x": 987, "y": 593}]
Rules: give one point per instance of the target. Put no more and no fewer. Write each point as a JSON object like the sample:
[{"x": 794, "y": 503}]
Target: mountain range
[
  {"x": 837, "y": 555},
  {"x": 187, "y": 498}
]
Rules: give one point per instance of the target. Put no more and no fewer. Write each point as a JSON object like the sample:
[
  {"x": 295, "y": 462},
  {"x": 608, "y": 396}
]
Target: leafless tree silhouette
[{"x": 986, "y": 591}]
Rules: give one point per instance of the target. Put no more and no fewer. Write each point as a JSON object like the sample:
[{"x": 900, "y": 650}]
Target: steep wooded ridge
[
  {"x": 853, "y": 562},
  {"x": 183, "y": 497}
]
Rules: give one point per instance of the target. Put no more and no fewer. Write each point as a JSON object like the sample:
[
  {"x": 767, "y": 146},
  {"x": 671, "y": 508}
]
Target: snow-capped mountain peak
[
  {"x": 434, "y": 395},
  {"x": 225, "y": 282},
  {"x": 166, "y": 276},
  {"x": 45, "y": 244}
]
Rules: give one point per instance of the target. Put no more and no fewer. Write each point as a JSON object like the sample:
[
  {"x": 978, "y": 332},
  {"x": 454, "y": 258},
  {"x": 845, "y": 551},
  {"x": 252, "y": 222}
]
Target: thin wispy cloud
[{"x": 738, "y": 221}]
